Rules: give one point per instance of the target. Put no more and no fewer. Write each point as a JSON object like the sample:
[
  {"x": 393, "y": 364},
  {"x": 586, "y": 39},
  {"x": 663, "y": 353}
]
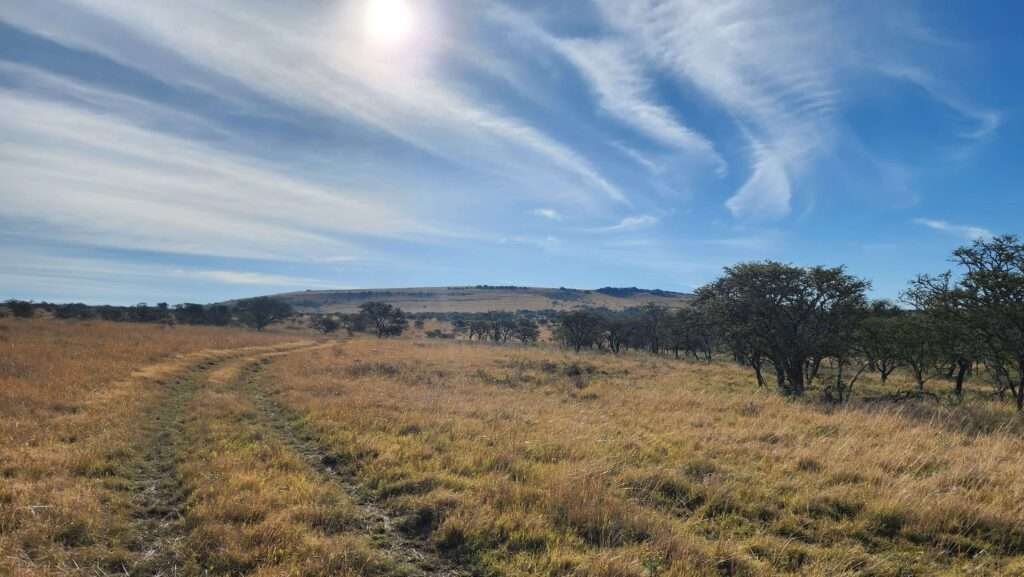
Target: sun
[{"x": 389, "y": 22}]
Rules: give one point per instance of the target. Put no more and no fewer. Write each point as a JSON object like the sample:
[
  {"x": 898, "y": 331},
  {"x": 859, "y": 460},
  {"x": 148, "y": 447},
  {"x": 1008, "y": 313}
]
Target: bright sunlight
[{"x": 389, "y": 22}]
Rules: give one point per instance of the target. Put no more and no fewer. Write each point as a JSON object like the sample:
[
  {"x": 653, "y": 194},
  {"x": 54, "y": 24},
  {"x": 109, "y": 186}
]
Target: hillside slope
[{"x": 480, "y": 299}]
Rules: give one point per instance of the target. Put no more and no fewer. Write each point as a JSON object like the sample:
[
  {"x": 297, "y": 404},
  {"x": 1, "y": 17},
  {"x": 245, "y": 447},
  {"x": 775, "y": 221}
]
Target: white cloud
[
  {"x": 767, "y": 193},
  {"x": 767, "y": 65},
  {"x": 98, "y": 179},
  {"x": 547, "y": 243},
  {"x": 618, "y": 79},
  {"x": 964, "y": 231},
  {"x": 251, "y": 278},
  {"x": 638, "y": 157},
  {"x": 986, "y": 121},
  {"x": 548, "y": 213},
  {"x": 43, "y": 274},
  {"x": 314, "y": 60},
  {"x": 629, "y": 223},
  {"x": 616, "y": 74}
]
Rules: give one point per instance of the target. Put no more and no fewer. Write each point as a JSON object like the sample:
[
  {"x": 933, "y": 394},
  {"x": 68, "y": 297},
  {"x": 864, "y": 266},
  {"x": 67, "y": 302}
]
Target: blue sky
[{"x": 198, "y": 151}]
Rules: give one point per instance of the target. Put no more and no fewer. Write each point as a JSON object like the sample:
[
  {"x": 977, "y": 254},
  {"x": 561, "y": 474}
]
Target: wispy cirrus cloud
[
  {"x": 986, "y": 121},
  {"x": 548, "y": 213},
  {"x": 623, "y": 89},
  {"x": 234, "y": 49},
  {"x": 768, "y": 65},
  {"x": 964, "y": 231},
  {"x": 100, "y": 179},
  {"x": 628, "y": 224},
  {"x": 34, "y": 273},
  {"x": 615, "y": 72},
  {"x": 252, "y": 278}
]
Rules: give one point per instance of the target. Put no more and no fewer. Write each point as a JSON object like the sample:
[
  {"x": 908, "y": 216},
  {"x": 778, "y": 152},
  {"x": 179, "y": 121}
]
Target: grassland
[
  {"x": 76, "y": 406},
  {"x": 237, "y": 453},
  {"x": 535, "y": 462}
]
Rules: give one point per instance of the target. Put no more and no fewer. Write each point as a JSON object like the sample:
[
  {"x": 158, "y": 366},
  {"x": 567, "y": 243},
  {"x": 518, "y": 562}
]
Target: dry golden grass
[
  {"x": 529, "y": 461},
  {"x": 137, "y": 449},
  {"x": 256, "y": 506},
  {"x": 72, "y": 396}
]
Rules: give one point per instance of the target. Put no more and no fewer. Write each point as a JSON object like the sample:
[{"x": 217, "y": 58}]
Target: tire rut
[
  {"x": 157, "y": 494},
  {"x": 378, "y": 522}
]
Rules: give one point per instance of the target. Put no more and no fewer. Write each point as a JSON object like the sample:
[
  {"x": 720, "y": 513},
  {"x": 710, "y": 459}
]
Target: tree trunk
[
  {"x": 961, "y": 373},
  {"x": 755, "y": 361},
  {"x": 795, "y": 378},
  {"x": 812, "y": 369}
]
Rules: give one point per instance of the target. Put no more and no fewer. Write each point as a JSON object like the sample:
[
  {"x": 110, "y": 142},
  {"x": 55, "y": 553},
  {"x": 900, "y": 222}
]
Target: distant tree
[
  {"x": 617, "y": 331},
  {"x": 459, "y": 326},
  {"x": 956, "y": 341},
  {"x": 919, "y": 346},
  {"x": 498, "y": 326},
  {"x": 218, "y": 315},
  {"x": 877, "y": 341},
  {"x": 20, "y": 309},
  {"x": 387, "y": 320},
  {"x": 691, "y": 330},
  {"x": 139, "y": 313},
  {"x": 190, "y": 314},
  {"x": 792, "y": 316},
  {"x": 580, "y": 329},
  {"x": 260, "y": 312},
  {"x": 74, "y": 311},
  {"x": 479, "y": 329},
  {"x": 326, "y": 324},
  {"x": 655, "y": 326},
  {"x": 110, "y": 313},
  {"x": 526, "y": 330}
]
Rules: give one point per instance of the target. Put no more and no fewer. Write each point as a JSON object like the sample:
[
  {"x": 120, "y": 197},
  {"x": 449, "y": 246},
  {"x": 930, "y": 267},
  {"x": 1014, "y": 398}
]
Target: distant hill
[{"x": 482, "y": 298}]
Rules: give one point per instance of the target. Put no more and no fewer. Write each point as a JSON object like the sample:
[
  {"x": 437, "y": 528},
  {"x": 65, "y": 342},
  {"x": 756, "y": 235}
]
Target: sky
[{"x": 200, "y": 151}]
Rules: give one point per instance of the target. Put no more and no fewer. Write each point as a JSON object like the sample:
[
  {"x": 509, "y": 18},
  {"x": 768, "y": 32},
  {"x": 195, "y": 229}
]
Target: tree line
[
  {"x": 257, "y": 313},
  {"x": 794, "y": 325}
]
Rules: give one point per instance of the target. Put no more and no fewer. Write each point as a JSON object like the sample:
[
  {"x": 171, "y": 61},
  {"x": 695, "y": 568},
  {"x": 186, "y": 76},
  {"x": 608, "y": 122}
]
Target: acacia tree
[
  {"x": 261, "y": 311},
  {"x": 526, "y": 330},
  {"x": 949, "y": 323},
  {"x": 991, "y": 295},
  {"x": 877, "y": 342},
  {"x": 919, "y": 346},
  {"x": 479, "y": 329},
  {"x": 326, "y": 324},
  {"x": 387, "y": 320},
  {"x": 792, "y": 316},
  {"x": 617, "y": 331},
  {"x": 655, "y": 324},
  {"x": 20, "y": 309},
  {"x": 875, "y": 339},
  {"x": 580, "y": 329}
]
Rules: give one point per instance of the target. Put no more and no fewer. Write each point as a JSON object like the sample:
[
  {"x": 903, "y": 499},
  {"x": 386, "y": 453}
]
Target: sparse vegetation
[
  {"x": 20, "y": 309},
  {"x": 260, "y": 312},
  {"x": 386, "y": 320}
]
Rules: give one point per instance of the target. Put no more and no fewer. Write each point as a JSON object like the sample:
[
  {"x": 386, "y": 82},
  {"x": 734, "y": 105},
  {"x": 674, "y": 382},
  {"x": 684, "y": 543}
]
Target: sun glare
[{"x": 389, "y": 22}]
